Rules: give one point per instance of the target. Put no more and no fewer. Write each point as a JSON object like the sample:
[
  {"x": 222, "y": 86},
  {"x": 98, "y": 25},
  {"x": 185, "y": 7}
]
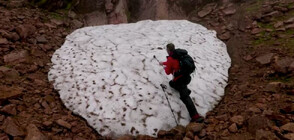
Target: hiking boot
[{"x": 197, "y": 118}]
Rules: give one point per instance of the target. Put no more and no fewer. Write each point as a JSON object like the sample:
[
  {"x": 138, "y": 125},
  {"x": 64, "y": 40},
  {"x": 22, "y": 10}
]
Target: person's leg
[{"x": 186, "y": 99}]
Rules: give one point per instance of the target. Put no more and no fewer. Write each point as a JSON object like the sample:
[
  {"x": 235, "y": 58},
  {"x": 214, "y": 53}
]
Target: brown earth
[{"x": 258, "y": 102}]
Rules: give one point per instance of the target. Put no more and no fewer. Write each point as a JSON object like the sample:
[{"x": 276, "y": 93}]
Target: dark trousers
[{"x": 181, "y": 86}]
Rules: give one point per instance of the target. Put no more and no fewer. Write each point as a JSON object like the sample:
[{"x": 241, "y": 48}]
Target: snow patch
[{"x": 109, "y": 75}]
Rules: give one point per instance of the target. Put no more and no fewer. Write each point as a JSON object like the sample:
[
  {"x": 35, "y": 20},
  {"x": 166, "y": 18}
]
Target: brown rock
[
  {"x": 12, "y": 128},
  {"x": 265, "y": 59},
  {"x": 272, "y": 14},
  {"x": 290, "y": 26},
  {"x": 25, "y": 30},
  {"x": 9, "y": 73},
  {"x": 12, "y": 36},
  {"x": 3, "y": 41},
  {"x": 233, "y": 128},
  {"x": 273, "y": 87},
  {"x": 126, "y": 137},
  {"x": 8, "y": 92},
  {"x": 257, "y": 122},
  {"x": 290, "y": 20},
  {"x": 77, "y": 24},
  {"x": 15, "y": 3},
  {"x": 144, "y": 137},
  {"x": 196, "y": 138},
  {"x": 41, "y": 39},
  {"x": 279, "y": 24},
  {"x": 109, "y": 6},
  {"x": 247, "y": 57},
  {"x": 4, "y": 137},
  {"x": 17, "y": 57},
  {"x": 63, "y": 123},
  {"x": 289, "y": 136},
  {"x": 95, "y": 18},
  {"x": 178, "y": 130},
  {"x": 186, "y": 138},
  {"x": 207, "y": 9},
  {"x": 229, "y": 11},
  {"x": 238, "y": 120},
  {"x": 265, "y": 135},
  {"x": 291, "y": 67},
  {"x": 282, "y": 65},
  {"x": 33, "y": 133},
  {"x": 254, "y": 110},
  {"x": 202, "y": 133},
  {"x": 194, "y": 127},
  {"x": 256, "y": 31},
  {"x": 288, "y": 109},
  {"x": 189, "y": 134},
  {"x": 225, "y": 36},
  {"x": 288, "y": 127},
  {"x": 9, "y": 109}
]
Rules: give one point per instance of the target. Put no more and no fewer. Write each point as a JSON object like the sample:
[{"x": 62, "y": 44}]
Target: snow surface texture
[{"x": 110, "y": 75}]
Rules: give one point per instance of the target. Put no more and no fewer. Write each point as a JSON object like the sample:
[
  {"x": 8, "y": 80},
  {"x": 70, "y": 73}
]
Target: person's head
[{"x": 170, "y": 47}]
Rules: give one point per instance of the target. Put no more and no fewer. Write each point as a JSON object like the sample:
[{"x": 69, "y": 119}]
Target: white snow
[{"x": 109, "y": 76}]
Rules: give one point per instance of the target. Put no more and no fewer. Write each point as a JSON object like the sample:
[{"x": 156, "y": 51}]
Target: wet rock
[
  {"x": 33, "y": 133},
  {"x": 289, "y": 136},
  {"x": 63, "y": 123},
  {"x": 207, "y": 9},
  {"x": 9, "y": 92},
  {"x": 289, "y": 127},
  {"x": 17, "y": 57},
  {"x": 25, "y": 30},
  {"x": 265, "y": 59},
  {"x": 9, "y": 109},
  {"x": 41, "y": 39},
  {"x": 233, "y": 128},
  {"x": 3, "y": 41},
  {"x": 12, "y": 128},
  {"x": 194, "y": 127},
  {"x": 257, "y": 122},
  {"x": 282, "y": 65},
  {"x": 265, "y": 135},
  {"x": 238, "y": 120}
]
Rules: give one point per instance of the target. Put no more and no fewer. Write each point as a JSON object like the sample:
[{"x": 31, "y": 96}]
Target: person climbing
[{"x": 180, "y": 67}]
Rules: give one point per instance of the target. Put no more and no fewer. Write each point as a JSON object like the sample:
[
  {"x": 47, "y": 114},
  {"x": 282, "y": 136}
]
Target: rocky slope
[{"x": 259, "y": 98}]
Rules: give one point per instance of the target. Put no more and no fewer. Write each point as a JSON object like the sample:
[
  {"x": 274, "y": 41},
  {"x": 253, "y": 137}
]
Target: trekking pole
[{"x": 163, "y": 88}]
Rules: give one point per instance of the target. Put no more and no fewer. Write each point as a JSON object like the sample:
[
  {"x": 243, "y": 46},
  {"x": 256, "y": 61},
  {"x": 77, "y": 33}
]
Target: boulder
[{"x": 194, "y": 127}]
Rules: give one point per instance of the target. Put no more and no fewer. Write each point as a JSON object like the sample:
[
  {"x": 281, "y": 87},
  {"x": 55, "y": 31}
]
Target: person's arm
[{"x": 168, "y": 66}]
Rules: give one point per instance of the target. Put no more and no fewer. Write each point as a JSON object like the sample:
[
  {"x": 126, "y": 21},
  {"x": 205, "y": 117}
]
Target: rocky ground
[{"x": 259, "y": 100}]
